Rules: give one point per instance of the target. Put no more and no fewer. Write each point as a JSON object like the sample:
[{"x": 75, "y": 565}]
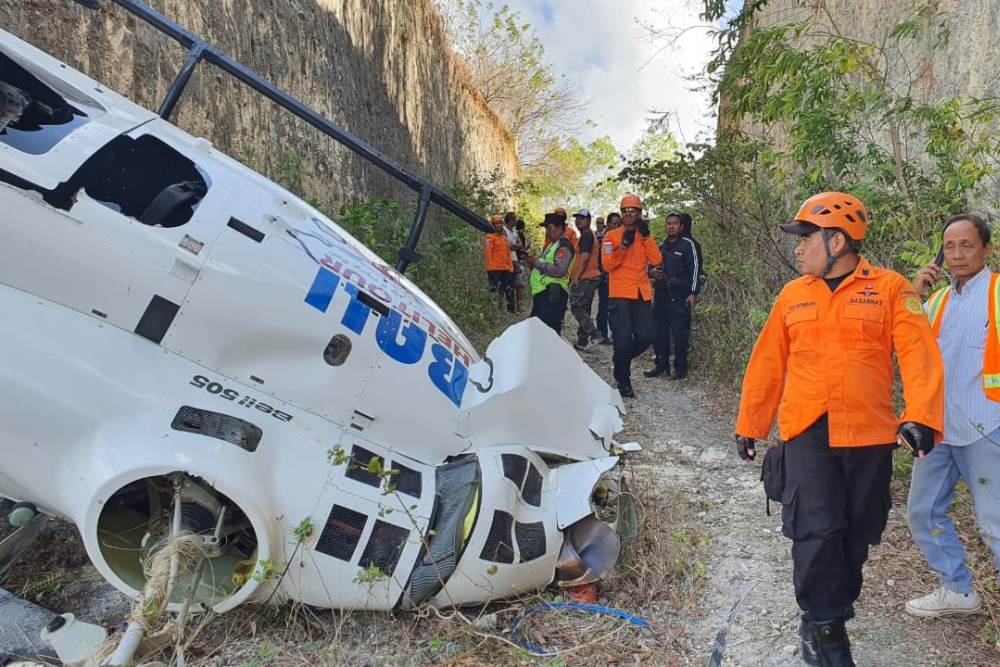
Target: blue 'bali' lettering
[
  {"x": 356, "y": 315},
  {"x": 414, "y": 339},
  {"x": 321, "y": 293},
  {"x": 448, "y": 374}
]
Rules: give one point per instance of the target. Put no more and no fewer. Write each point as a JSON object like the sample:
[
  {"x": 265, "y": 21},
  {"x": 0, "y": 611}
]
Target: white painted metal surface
[{"x": 258, "y": 310}]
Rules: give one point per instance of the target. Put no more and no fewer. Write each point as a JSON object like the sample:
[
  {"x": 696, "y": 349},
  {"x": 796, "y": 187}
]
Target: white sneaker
[{"x": 944, "y": 602}]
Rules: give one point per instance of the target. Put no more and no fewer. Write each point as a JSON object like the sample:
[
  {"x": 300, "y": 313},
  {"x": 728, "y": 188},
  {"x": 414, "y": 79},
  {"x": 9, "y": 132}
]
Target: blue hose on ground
[{"x": 578, "y": 606}]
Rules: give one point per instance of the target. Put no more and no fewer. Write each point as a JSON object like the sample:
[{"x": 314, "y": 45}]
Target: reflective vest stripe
[
  {"x": 991, "y": 355},
  {"x": 935, "y": 307}
]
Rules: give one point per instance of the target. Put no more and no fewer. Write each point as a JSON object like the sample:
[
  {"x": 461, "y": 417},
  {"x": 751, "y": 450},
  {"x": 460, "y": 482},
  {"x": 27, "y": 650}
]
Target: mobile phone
[{"x": 939, "y": 258}]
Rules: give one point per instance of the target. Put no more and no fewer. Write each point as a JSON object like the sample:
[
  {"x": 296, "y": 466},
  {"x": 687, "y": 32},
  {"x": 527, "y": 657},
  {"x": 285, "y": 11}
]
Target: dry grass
[
  {"x": 658, "y": 578},
  {"x": 897, "y": 572}
]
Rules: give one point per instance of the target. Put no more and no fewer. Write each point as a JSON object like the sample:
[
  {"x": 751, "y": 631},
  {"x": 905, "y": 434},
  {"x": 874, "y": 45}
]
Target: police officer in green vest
[{"x": 549, "y": 279}]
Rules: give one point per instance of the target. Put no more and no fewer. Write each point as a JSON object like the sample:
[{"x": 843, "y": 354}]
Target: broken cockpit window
[
  {"x": 142, "y": 178},
  {"x": 33, "y": 117}
]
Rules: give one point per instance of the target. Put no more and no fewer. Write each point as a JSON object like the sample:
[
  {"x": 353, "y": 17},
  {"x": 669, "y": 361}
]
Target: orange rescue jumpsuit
[{"x": 823, "y": 352}]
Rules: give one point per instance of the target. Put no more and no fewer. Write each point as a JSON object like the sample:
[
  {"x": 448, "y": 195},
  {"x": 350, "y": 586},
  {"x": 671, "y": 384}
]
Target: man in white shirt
[{"x": 964, "y": 318}]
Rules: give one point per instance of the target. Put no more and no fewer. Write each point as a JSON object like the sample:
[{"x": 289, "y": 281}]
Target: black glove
[
  {"x": 918, "y": 437},
  {"x": 628, "y": 237},
  {"x": 745, "y": 448},
  {"x": 643, "y": 227}
]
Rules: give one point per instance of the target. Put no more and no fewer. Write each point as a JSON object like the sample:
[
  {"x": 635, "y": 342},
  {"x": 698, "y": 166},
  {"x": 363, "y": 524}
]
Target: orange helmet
[
  {"x": 631, "y": 201},
  {"x": 560, "y": 211},
  {"x": 494, "y": 219},
  {"x": 831, "y": 210}
]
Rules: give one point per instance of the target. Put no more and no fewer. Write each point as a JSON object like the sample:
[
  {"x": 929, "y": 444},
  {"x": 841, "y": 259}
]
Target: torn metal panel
[
  {"x": 535, "y": 372},
  {"x": 575, "y": 482}
]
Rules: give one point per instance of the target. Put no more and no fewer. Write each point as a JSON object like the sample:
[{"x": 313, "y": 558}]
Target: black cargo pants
[
  {"x": 671, "y": 330},
  {"x": 549, "y": 306},
  {"x": 834, "y": 506},
  {"x": 631, "y": 323}
]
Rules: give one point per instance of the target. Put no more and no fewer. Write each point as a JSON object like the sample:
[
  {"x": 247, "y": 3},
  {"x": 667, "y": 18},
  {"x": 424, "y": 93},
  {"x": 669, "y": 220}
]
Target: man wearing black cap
[{"x": 549, "y": 279}]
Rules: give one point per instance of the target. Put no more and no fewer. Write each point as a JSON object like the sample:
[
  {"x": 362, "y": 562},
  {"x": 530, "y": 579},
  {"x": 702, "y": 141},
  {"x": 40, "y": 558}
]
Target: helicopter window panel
[
  {"x": 33, "y": 117},
  {"x": 499, "y": 547},
  {"x": 530, "y": 540},
  {"x": 144, "y": 179},
  {"x": 360, "y": 468},
  {"x": 514, "y": 467},
  {"x": 342, "y": 533},
  {"x": 384, "y": 547},
  {"x": 406, "y": 480},
  {"x": 532, "y": 492}
]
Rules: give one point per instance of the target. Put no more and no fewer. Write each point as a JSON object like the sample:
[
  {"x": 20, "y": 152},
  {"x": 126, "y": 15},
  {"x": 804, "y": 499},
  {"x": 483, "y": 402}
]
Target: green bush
[
  {"x": 451, "y": 269},
  {"x": 806, "y": 108}
]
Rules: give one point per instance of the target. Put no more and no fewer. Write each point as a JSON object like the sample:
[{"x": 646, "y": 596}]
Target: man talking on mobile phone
[{"x": 964, "y": 316}]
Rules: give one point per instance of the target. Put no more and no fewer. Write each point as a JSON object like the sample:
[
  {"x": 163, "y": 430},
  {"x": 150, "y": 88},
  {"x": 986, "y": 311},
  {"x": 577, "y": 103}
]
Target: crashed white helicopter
[{"x": 186, "y": 346}]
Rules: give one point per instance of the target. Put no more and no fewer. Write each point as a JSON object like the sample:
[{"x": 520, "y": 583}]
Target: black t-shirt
[
  {"x": 586, "y": 242},
  {"x": 834, "y": 283}
]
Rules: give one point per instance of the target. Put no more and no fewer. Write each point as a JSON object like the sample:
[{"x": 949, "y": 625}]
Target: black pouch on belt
[{"x": 772, "y": 474}]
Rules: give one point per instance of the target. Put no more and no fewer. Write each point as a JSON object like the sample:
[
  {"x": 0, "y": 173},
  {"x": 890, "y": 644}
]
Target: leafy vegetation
[
  {"x": 808, "y": 107},
  {"x": 451, "y": 271}
]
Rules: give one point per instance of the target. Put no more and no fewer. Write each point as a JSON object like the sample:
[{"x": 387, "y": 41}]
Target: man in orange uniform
[
  {"x": 499, "y": 267},
  {"x": 626, "y": 252},
  {"x": 823, "y": 362},
  {"x": 568, "y": 229}
]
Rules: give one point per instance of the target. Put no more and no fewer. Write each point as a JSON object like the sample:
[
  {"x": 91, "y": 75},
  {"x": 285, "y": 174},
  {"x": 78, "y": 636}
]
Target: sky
[{"x": 600, "y": 46}]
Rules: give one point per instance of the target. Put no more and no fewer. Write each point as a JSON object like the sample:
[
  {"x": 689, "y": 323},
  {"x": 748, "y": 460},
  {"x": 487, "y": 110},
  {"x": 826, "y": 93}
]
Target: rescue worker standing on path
[
  {"x": 625, "y": 254},
  {"x": 675, "y": 287},
  {"x": 965, "y": 318},
  {"x": 499, "y": 267},
  {"x": 584, "y": 280},
  {"x": 549, "y": 278},
  {"x": 823, "y": 363},
  {"x": 614, "y": 221}
]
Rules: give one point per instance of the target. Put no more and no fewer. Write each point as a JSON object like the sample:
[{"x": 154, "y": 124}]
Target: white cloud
[{"x": 601, "y": 47}]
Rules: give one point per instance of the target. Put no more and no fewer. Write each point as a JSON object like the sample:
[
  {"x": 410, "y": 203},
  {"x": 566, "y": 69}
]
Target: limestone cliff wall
[
  {"x": 380, "y": 68},
  {"x": 967, "y": 63}
]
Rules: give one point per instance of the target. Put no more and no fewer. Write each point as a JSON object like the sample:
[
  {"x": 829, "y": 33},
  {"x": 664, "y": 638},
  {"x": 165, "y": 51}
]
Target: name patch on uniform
[
  {"x": 864, "y": 301},
  {"x": 802, "y": 304}
]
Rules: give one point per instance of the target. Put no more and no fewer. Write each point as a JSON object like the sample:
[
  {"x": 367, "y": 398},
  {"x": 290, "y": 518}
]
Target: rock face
[
  {"x": 382, "y": 69},
  {"x": 955, "y": 57}
]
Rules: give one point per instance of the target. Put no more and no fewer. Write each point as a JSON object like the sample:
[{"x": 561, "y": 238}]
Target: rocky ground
[
  {"x": 706, "y": 546},
  {"x": 686, "y": 429}
]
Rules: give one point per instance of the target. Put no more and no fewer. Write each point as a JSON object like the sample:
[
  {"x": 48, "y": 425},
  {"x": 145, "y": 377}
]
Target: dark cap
[
  {"x": 553, "y": 219},
  {"x": 799, "y": 228}
]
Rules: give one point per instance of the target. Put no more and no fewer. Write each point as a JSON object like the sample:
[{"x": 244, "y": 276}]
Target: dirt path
[{"x": 688, "y": 448}]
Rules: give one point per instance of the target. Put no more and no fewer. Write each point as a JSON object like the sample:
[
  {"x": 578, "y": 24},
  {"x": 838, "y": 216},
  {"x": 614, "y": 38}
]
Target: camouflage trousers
[{"x": 581, "y": 301}]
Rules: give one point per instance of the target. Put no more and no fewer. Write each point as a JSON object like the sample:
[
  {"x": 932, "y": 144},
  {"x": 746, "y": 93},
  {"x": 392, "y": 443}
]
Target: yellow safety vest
[
  {"x": 538, "y": 281},
  {"x": 991, "y": 356}
]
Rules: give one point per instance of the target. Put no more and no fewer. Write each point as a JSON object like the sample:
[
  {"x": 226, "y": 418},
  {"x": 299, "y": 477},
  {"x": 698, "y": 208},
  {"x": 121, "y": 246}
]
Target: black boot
[
  {"x": 625, "y": 389},
  {"x": 810, "y": 648},
  {"x": 834, "y": 646},
  {"x": 656, "y": 371}
]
